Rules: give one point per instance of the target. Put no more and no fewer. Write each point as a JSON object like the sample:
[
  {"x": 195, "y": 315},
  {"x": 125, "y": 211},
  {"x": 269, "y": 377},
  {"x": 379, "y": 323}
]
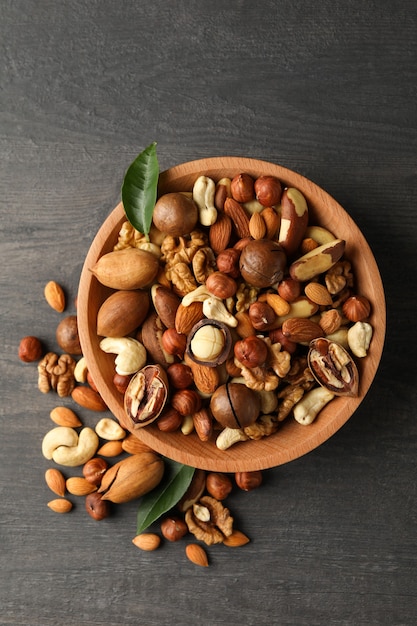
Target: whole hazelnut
[
  {"x": 96, "y": 507},
  {"x": 121, "y": 382},
  {"x": 218, "y": 485},
  {"x": 234, "y": 405},
  {"x": 30, "y": 349},
  {"x": 268, "y": 190},
  {"x": 277, "y": 336},
  {"x": 186, "y": 402},
  {"x": 251, "y": 351},
  {"x": 180, "y": 376},
  {"x": 248, "y": 480},
  {"x": 242, "y": 188},
  {"x": 174, "y": 343},
  {"x": 94, "y": 470},
  {"x": 356, "y": 308},
  {"x": 173, "y": 528},
  {"x": 262, "y": 263},
  {"x": 228, "y": 262},
  {"x": 175, "y": 214},
  {"x": 289, "y": 289},
  {"x": 169, "y": 421},
  {"x": 221, "y": 285},
  {"x": 262, "y": 315},
  {"x": 67, "y": 335}
]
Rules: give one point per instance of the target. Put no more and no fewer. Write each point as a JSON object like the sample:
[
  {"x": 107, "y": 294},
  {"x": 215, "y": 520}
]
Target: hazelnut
[
  {"x": 222, "y": 192},
  {"x": 121, "y": 382},
  {"x": 356, "y": 308},
  {"x": 242, "y": 188},
  {"x": 175, "y": 214},
  {"x": 234, "y": 405},
  {"x": 169, "y": 420},
  {"x": 228, "y": 262},
  {"x": 277, "y": 336},
  {"x": 67, "y": 335},
  {"x": 186, "y": 402},
  {"x": 30, "y": 349},
  {"x": 174, "y": 343},
  {"x": 262, "y": 263},
  {"x": 218, "y": 485},
  {"x": 268, "y": 190},
  {"x": 173, "y": 528},
  {"x": 96, "y": 507},
  {"x": 94, "y": 470},
  {"x": 221, "y": 285},
  {"x": 248, "y": 480},
  {"x": 91, "y": 382},
  {"x": 262, "y": 315},
  {"x": 289, "y": 289},
  {"x": 180, "y": 376},
  {"x": 251, "y": 352}
]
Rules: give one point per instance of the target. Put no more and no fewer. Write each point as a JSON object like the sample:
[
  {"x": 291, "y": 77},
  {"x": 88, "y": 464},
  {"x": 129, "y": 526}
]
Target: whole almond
[
  {"x": 55, "y": 481},
  {"x": 239, "y": 217},
  {"x": 63, "y": 416},
  {"x": 54, "y": 295},
  {"x": 301, "y": 330},
  {"x": 318, "y": 293},
  {"x": 187, "y": 316},
  {"x": 220, "y": 233},
  {"x": 236, "y": 539},
  {"x": 88, "y": 398},
  {"x": 78, "y": 486},
  {"x": 272, "y": 222},
  {"x": 196, "y": 554},
  {"x": 206, "y": 379},
  {"x": 111, "y": 449},
  {"x": 203, "y": 424},
  {"x": 60, "y": 505},
  {"x": 133, "y": 445},
  {"x": 147, "y": 541},
  {"x": 257, "y": 226}
]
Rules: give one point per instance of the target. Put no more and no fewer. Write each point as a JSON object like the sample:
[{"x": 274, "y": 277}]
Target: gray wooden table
[{"x": 328, "y": 89}]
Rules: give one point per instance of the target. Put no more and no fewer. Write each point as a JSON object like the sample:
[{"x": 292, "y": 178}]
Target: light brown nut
[
  {"x": 330, "y": 321},
  {"x": 294, "y": 219},
  {"x": 317, "y": 261},
  {"x": 203, "y": 424},
  {"x": 107, "y": 428},
  {"x": 220, "y": 233},
  {"x": 133, "y": 445},
  {"x": 236, "y": 539},
  {"x": 318, "y": 293},
  {"x": 187, "y": 316},
  {"x": 272, "y": 222},
  {"x": 257, "y": 226},
  {"x": 60, "y": 505},
  {"x": 55, "y": 481},
  {"x": 55, "y": 296},
  {"x": 88, "y": 398},
  {"x": 64, "y": 416},
  {"x": 132, "y": 477},
  {"x": 206, "y": 379},
  {"x": 130, "y": 268},
  {"x": 196, "y": 554},
  {"x": 280, "y": 306},
  {"x": 147, "y": 541},
  {"x": 111, "y": 449},
  {"x": 78, "y": 486},
  {"x": 301, "y": 330}
]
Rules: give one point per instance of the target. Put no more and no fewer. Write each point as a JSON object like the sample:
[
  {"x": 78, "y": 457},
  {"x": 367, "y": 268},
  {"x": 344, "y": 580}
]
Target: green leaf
[
  {"x": 170, "y": 490},
  {"x": 139, "y": 189}
]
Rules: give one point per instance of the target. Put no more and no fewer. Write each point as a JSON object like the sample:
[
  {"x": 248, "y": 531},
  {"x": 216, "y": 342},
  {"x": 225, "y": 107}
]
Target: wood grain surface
[{"x": 326, "y": 89}]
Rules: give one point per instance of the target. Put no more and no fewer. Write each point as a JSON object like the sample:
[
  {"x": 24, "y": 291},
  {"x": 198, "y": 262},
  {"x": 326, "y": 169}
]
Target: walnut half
[{"x": 209, "y": 521}]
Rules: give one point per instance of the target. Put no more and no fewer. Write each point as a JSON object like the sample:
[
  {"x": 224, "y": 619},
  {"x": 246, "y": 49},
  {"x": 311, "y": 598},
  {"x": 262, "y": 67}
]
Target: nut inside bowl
[{"x": 292, "y": 440}]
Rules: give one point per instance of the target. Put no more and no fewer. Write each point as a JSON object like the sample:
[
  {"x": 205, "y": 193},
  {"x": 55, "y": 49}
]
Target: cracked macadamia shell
[{"x": 262, "y": 263}]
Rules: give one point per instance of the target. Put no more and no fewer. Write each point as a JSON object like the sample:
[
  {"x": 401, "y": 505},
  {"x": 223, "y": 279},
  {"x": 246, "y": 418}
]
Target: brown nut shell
[
  {"x": 227, "y": 343},
  {"x": 262, "y": 263},
  {"x": 234, "y": 405},
  {"x": 132, "y": 477},
  {"x": 146, "y": 395},
  {"x": 122, "y": 312},
  {"x": 130, "y": 268},
  {"x": 333, "y": 367},
  {"x": 175, "y": 214}
]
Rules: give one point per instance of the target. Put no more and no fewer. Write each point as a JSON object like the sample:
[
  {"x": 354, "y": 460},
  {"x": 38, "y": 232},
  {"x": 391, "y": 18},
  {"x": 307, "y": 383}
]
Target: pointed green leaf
[
  {"x": 139, "y": 189},
  {"x": 166, "y": 495}
]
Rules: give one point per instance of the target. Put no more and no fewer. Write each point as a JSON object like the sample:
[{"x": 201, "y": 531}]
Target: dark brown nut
[
  {"x": 169, "y": 421},
  {"x": 94, "y": 470},
  {"x": 294, "y": 220},
  {"x": 268, "y": 190},
  {"x": 262, "y": 263},
  {"x": 242, "y": 188},
  {"x": 222, "y": 192},
  {"x": 333, "y": 367},
  {"x": 180, "y": 376},
  {"x": 221, "y": 285},
  {"x": 121, "y": 382},
  {"x": 30, "y": 349},
  {"x": 234, "y": 405},
  {"x": 248, "y": 480},
  {"x": 203, "y": 424},
  {"x": 239, "y": 217},
  {"x": 151, "y": 336},
  {"x": 166, "y": 303},
  {"x": 173, "y": 528},
  {"x": 228, "y": 262},
  {"x": 67, "y": 335},
  {"x": 186, "y": 402},
  {"x": 220, "y": 233},
  {"x": 96, "y": 507},
  {"x": 146, "y": 395},
  {"x": 175, "y": 214},
  {"x": 261, "y": 315},
  {"x": 122, "y": 312},
  {"x": 194, "y": 491},
  {"x": 218, "y": 485},
  {"x": 174, "y": 343},
  {"x": 251, "y": 352},
  {"x": 277, "y": 336},
  {"x": 356, "y": 308},
  {"x": 301, "y": 330},
  {"x": 289, "y": 289}
]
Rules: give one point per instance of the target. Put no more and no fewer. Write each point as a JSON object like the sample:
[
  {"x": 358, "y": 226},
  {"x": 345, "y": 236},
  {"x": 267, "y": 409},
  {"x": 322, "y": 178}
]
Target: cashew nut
[
  {"x": 214, "y": 309},
  {"x": 196, "y": 295},
  {"x": 109, "y": 429},
  {"x": 79, "y": 453},
  {"x": 59, "y": 436},
  {"x": 81, "y": 370},
  {"x": 203, "y": 195},
  {"x": 340, "y": 336},
  {"x": 307, "y": 409},
  {"x": 229, "y": 436},
  {"x": 359, "y": 337},
  {"x": 131, "y": 354}
]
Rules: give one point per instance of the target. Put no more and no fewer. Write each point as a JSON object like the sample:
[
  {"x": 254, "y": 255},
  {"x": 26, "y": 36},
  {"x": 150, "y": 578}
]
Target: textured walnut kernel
[{"x": 219, "y": 525}]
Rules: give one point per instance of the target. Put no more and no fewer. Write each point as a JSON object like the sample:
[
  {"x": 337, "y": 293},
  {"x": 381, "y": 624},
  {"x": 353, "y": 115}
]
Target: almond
[
  {"x": 55, "y": 481},
  {"x": 239, "y": 217},
  {"x": 220, "y": 233},
  {"x": 257, "y": 226},
  {"x": 78, "y": 486},
  {"x": 244, "y": 326},
  {"x": 272, "y": 222},
  {"x": 111, "y": 448},
  {"x": 301, "y": 330},
  {"x": 206, "y": 379},
  {"x": 196, "y": 554},
  {"x": 54, "y": 295},
  {"x": 147, "y": 541},
  {"x": 63, "y": 416},
  {"x": 236, "y": 539},
  {"x": 60, "y": 505},
  {"x": 187, "y": 316},
  {"x": 88, "y": 398},
  {"x": 133, "y": 445},
  {"x": 318, "y": 293}
]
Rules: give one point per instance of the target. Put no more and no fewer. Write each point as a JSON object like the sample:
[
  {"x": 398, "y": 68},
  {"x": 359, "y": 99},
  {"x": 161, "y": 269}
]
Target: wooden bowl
[{"x": 292, "y": 440}]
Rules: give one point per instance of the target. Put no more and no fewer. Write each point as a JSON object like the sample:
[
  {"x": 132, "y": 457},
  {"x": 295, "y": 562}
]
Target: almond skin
[
  {"x": 301, "y": 330},
  {"x": 236, "y": 539},
  {"x": 187, "y": 316},
  {"x": 60, "y": 505},
  {"x": 54, "y": 295},
  {"x": 88, "y": 398},
  {"x": 147, "y": 541},
  {"x": 63, "y": 416},
  {"x": 78, "y": 486},
  {"x": 55, "y": 481},
  {"x": 220, "y": 233},
  {"x": 111, "y": 449},
  {"x": 318, "y": 293},
  {"x": 196, "y": 554},
  {"x": 239, "y": 217}
]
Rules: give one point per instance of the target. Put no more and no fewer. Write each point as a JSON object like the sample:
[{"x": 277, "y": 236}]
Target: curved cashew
[
  {"x": 109, "y": 429},
  {"x": 214, "y": 309},
  {"x": 78, "y": 454},
  {"x": 230, "y": 436},
  {"x": 131, "y": 354},
  {"x": 81, "y": 370},
  {"x": 203, "y": 195},
  {"x": 307, "y": 409},
  {"x": 59, "y": 436},
  {"x": 359, "y": 337},
  {"x": 196, "y": 295}
]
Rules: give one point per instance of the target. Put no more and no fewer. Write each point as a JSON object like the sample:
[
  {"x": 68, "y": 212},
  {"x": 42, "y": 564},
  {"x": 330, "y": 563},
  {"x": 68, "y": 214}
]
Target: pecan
[
  {"x": 209, "y": 521},
  {"x": 57, "y": 373}
]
